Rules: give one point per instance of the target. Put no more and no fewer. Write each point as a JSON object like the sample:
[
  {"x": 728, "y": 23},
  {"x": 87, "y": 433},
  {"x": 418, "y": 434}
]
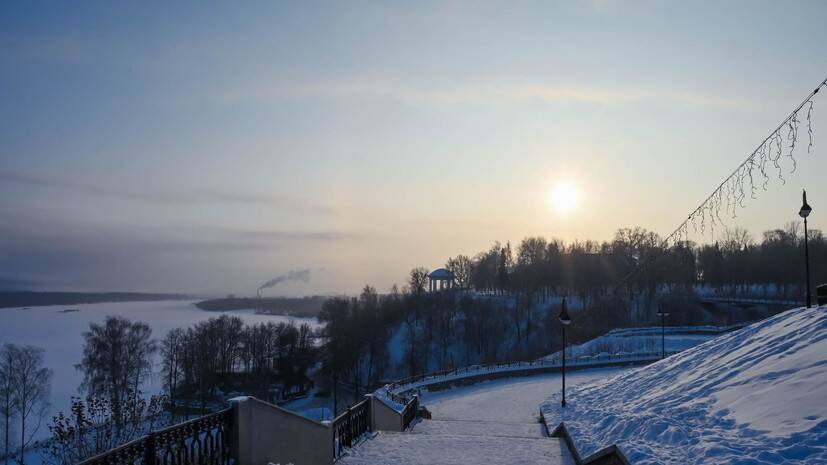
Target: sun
[{"x": 563, "y": 197}]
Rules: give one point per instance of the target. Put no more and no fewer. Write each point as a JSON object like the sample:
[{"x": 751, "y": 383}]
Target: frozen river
[{"x": 60, "y": 335}]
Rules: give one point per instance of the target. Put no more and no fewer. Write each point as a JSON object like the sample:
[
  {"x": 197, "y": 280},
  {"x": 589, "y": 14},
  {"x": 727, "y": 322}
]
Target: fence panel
[
  {"x": 410, "y": 412},
  {"x": 202, "y": 441},
  {"x": 350, "y": 426}
]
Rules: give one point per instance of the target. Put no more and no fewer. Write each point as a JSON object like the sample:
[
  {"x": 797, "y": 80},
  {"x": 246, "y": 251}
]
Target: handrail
[
  {"x": 395, "y": 391},
  {"x": 350, "y": 426},
  {"x": 205, "y": 439},
  {"x": 410, "y": 412}
]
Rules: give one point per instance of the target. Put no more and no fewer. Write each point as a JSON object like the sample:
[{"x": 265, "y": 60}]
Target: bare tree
[
  {"x": 172, "y": 350},
  {"x": 460, "y": 266},
  {"x": 7, "y": 407},
  {"x": 32, "y": 384},
  {"x": 418, "y": 280},
  {"x": 117, "y": 358}
]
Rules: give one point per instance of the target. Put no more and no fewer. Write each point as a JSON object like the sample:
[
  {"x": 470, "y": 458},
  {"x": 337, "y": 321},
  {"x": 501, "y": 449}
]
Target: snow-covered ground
[
  {"x": 757, "y": 395},
  {"x": 437, "y": 449},
  {"x": 59, "y": 334},
  {"x": 394, "y": 395},
  {"x": 507, "y": 399},
  {"x": 489, "y": 422},
  {"x": 648, "y": 339}
]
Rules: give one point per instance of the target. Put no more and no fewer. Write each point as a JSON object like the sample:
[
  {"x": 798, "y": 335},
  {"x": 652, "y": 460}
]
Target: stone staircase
[{"x": 455, "y": 442}]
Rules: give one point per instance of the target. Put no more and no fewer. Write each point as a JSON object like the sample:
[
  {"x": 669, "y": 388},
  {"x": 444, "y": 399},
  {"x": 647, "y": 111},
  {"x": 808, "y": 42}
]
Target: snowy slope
[
  {"x": 757, "y": 395},
  {"x": 647, "y": 339}
]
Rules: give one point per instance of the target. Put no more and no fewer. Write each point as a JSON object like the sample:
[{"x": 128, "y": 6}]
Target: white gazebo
[{"x": 440, "y": 279}]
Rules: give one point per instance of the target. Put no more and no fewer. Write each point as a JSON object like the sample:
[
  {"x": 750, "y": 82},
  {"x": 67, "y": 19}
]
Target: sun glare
[{"x": 563, "y": 197}]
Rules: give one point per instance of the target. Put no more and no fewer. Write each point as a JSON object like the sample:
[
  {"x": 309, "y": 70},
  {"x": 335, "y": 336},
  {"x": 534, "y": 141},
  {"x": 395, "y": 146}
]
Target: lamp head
[
  {"x": 564, "y": 314},
  {"x": 805, "y": 208}
]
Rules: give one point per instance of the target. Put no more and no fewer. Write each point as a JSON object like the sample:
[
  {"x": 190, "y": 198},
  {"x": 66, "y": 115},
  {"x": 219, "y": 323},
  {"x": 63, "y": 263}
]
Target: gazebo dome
[
  {"x": 440, "y": 279},
  {"x": 440, "y": 274}
]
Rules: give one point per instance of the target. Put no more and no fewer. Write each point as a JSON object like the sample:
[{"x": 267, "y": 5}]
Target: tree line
[
  {"x": 223, "y": 355},
  {"x": 505, "y": 308},
  {"x": 508, "y": 298},
  {"x": 200, "y": 366}
]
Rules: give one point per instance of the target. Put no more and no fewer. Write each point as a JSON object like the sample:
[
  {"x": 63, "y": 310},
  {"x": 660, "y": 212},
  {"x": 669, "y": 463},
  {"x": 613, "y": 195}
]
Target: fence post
[
  {"x": 349, "y": 428},
  {"x": 149, "y": 449}
]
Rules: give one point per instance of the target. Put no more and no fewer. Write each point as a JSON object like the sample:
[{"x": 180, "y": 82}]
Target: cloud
[
  {"x": 480, "y": 93},
  {"x": 46, "y": 253},
  {"x": 286, "y": 235},
  {"x": 16, "y": 283},
  {"x": 181, "y": 197}
]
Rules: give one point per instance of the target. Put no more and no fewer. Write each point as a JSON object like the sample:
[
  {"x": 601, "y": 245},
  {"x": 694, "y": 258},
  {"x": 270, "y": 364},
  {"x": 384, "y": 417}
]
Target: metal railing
[
  {"x": 397, "y": 390},
  {"x": 410, "y": 412},
  {"x": 750, "y": 300},
  {"x": 202, "y": 441},
  {"x": 350, "y": 426}
]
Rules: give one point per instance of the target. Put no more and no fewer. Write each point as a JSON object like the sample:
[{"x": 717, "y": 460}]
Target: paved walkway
[{"x": 490, "y": 422}]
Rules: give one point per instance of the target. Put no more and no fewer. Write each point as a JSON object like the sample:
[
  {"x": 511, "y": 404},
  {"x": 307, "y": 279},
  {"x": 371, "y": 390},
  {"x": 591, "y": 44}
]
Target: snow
[
  {"x": 488, "y": 422},
  {"x": 422, "y": 449},
  {"x": 59, "y": 334},
  {"x": 317, "y": 413},
  {"x": 507, "y": 399},
  {"x": 388, "y": 392},
  {"x": 646, "y": 339},
  {"x": 755, "y": 396}
]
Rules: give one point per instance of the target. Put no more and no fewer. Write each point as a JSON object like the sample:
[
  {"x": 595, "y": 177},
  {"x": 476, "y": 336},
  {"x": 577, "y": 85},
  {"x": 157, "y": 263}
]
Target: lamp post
[
  {"x": 565, "y": 320},
  {"x": 662, "y": 314},
  {"x": 804, "y": 213}
]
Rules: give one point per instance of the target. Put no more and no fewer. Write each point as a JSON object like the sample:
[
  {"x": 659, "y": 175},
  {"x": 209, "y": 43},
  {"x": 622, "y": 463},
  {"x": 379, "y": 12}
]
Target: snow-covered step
[
  {"x": 452, "y": 449},
  {"x": 479, "y": 428}
]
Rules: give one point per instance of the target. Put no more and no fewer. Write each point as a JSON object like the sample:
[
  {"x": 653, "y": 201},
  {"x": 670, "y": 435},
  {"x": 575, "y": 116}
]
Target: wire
[{"x": 736, "y": 178}]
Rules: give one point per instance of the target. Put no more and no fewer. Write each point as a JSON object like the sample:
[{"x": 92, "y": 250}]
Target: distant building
[{"x": 441, "y": 279}]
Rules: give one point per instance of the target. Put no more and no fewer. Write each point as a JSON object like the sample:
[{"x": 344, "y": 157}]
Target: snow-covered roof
[{"x": 441, "y": 273}]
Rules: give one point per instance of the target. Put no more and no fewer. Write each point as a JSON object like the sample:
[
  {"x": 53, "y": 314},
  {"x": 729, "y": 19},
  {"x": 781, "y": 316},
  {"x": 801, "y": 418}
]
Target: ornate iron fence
[
  {"x": 410, "y": 412},
  {"x": 350, "y": 426},
  {"x": 202, "y": 441}
]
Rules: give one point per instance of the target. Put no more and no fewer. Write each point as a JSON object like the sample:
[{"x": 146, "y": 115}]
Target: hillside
[{"x": 756, "y": 395}]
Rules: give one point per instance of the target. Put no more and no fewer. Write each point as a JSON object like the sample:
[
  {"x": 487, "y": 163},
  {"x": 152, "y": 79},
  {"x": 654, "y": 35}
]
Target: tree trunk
[{"x": 22, "y": 438}]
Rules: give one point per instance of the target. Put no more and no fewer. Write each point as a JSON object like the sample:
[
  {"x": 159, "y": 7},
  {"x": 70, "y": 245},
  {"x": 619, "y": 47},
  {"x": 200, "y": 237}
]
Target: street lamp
[
  {"x": 565, "y": 319},
  {"x": 804, "y": 213},
  {"x": 662, "y": 314}
]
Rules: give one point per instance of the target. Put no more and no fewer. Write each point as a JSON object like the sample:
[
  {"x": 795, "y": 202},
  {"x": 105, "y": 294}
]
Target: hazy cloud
[
  {"x": 185, "y": 197},
  {"x": 273, "y": 234},
  {"x": 480, "y": 93}
]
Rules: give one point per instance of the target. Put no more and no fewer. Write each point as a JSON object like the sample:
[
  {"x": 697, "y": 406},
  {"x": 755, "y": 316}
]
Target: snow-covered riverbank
[{"x": 59, "y": 333}]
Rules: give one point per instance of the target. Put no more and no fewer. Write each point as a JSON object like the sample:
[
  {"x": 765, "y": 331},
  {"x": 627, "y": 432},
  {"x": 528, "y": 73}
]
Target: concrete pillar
[{"x": 384, "y": 418}]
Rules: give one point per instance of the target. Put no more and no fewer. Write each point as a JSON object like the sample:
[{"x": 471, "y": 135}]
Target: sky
[{"x": 209, "y": 147}]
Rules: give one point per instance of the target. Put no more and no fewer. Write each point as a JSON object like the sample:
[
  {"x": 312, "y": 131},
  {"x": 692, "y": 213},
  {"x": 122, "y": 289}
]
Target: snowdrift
[{"x": 757, "y": 395}]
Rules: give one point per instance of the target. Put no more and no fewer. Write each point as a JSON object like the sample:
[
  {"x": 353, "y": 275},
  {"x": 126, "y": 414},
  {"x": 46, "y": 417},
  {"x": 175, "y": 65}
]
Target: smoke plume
[{"x": 292, "y": 275}]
